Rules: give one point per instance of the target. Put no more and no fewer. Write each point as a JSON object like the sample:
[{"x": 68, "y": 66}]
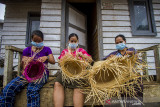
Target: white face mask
[
  {"x": 38, "y": 45},
  {"x": 73, "y": 45},
  {"x": 120, "y": 46}
]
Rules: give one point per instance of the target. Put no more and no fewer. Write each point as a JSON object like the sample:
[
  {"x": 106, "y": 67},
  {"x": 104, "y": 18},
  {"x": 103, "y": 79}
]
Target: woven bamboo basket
[
  {"x": 74, "y": 69},
  {"x": 113, "y": 77}
]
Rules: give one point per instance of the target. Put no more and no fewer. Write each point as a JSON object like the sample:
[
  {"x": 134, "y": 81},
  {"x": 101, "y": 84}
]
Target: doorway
[{"x": 81, "y": 18}]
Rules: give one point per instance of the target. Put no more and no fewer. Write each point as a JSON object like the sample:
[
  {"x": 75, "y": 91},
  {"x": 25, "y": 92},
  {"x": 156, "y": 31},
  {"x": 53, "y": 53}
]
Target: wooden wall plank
[
  {"x": 116, "y": 23},
  {"x": 13, "y": 37},
  {"x": 13, "y": 33},
  {"x": 113, "y": 18},
  {"x": 120, "y": 7},
  {"x": 155, "y": 1},
  {"x": 51, "y": 30},
  {"x": 50, "y": 12},
  {"x": 52, "y": 43},
  {"x": 115, "y": 12},
  {"x": 135, "y": 40},
  {"x": 128, "y": 29},
  {"x": 50, "y": 18},
  {"x": 8, "y": 24},
  {"x": 21, "y": 29},
  {"x": 156, "y": 12},
  {"x": 114, "y": 34},
  {"x": 51, "y": 6},
  {"x": 50, "y": 24},
  {"x": 156, "y": 6},
  {"x": 51, "y": 37}
]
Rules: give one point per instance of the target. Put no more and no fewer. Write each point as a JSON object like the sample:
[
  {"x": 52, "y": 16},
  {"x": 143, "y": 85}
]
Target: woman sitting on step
[
  {"x": 58, "y": 93},
  {"x": 37, "y": 53}
]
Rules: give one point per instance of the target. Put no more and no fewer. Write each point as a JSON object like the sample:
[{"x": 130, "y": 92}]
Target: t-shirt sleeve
[
  {"x": 26, "y": 52},
  {"x": 62, "y": 54},
  {"x": 49, "y": 51},
  {"x": 84, "y": 52},
  {"x": 113, "y": 53},
  {"x": 133, "y": 49}
]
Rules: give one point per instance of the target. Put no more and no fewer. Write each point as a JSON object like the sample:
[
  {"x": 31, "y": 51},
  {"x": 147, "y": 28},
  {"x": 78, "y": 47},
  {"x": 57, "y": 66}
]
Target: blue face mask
[
  {"x": 73, "y": 45},
  {"x": 38, "y": 45},
  {"x": 120, "y": 46}
]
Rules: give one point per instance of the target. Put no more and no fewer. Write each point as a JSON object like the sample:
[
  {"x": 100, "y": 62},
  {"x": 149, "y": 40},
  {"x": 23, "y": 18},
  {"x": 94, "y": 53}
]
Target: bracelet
[{"x": 47, "y": 57}]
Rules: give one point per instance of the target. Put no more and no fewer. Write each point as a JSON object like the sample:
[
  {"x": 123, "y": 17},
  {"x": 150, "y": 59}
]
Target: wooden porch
[{"x": 151, "y": 93}]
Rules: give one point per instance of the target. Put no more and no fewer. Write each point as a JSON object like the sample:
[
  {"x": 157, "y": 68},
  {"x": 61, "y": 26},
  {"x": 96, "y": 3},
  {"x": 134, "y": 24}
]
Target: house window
[
  {"x": 142, "y": 18},
  {"x": 33, "y": 23}
]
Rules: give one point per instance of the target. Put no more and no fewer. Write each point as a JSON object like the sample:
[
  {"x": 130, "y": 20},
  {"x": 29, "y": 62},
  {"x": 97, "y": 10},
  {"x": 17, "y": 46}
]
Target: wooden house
[{"x": 97, "y": 22}]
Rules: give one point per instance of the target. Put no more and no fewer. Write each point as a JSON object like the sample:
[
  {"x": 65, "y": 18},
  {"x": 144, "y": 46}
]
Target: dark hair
[
  {"x": 72, "y": 35},
  {"x": 38, "y": 33},
  {"x": 122, "y": 36}
]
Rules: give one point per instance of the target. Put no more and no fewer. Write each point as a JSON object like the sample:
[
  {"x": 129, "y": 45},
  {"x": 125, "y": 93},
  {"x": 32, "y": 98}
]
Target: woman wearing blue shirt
[
  {"x": 121, "y": 47},
  {"x": 123, "y": 50}
]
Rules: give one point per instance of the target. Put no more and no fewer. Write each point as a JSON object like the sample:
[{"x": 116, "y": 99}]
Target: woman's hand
[
  {"x": 84, "y": 57},
  {"x": 129, "y": 53},
  {"x": 26, "y": 59},
  {"x": 111, "y": 56},
  {"x": 50, "y": 59},
  {"x": 42, "y": 59},
  {"x": 79, "y": 54}
]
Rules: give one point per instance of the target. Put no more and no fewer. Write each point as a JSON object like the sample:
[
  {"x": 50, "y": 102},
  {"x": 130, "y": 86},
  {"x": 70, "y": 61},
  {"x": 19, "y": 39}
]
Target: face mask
[
  {"x": 73, "y": 45},
  {"x": 120, "y": 46},
  {"x": 38, "y": 45}
]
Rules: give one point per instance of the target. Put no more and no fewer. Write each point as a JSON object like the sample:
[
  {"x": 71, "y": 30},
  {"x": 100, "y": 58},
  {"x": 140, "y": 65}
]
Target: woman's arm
[
  {"x": 85, "y": 57},
  {"x": 88, "y": 58},
  {"x": 26, "y": 59},
  {"x": 131, "y": 51},
  {"x": 50, "y": 59}
]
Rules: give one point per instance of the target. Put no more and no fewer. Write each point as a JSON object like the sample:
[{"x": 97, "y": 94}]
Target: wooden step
[
  {"x": 151, "y": 95},
  {"x": 46, "y": 96}
]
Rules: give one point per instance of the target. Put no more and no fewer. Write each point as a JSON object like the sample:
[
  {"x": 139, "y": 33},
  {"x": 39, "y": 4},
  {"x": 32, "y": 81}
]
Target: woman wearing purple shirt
[{"x": 36, "y": 52}]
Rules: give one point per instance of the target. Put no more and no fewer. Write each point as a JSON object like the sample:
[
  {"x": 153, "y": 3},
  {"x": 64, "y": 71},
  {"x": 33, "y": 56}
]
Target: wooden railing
[
  {"x": 156, "y": 50},
  {"x": 8, "y": 64}
]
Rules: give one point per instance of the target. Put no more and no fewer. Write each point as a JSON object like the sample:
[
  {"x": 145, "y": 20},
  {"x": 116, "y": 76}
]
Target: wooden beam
[
  {"x": 149, "y": 48},
  {"x": 99, "y": 28},
  {"x": 14, "y": 49},
  {"x": 8, "y": 65},
  {"x": 157, "y": 61},
  {"x": 19, "y": 63},
  {"x": 144, "y": 58}
]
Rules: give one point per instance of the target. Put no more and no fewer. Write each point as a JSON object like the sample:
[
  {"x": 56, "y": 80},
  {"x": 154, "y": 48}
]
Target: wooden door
[{"x": 76, "y": 23}]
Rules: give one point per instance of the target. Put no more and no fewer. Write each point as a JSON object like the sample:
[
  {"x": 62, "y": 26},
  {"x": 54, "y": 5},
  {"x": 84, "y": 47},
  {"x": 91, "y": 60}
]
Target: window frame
[
  {"x": 32, "y": 16},
  {"x": 150, "y": 17}
]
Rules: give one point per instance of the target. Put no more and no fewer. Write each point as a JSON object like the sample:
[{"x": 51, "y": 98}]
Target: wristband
[{"x": 47, "y": 57}]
